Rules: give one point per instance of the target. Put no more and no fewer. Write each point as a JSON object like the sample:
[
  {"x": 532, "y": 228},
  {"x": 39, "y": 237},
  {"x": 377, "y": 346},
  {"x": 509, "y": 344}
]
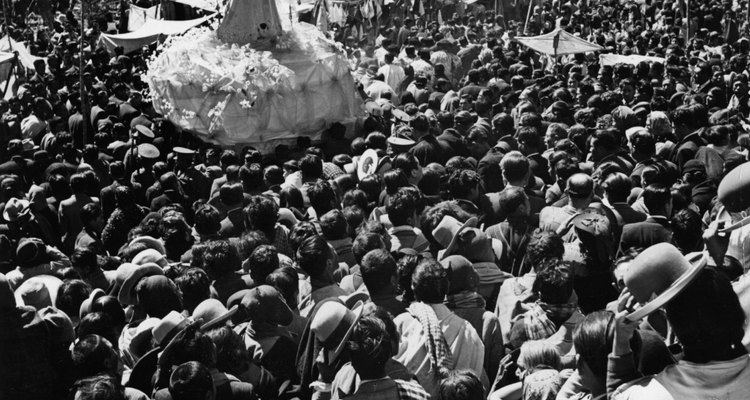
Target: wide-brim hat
[
  {"x": 167, "y": 328},
  {"x": 15, "y": 208},
  {"x": 152, "y": 256},
  {"x": 150, "y": 242},
  {"x": 39, "y": 291},
  {"x": 170, "y": 347},
  {"x": 143, "y": 371},
  {"x": 659, "y": 274},
  {"x": 126, "y": 295},
  {"x": 448, "y": 231},
  {"x": 86, "y": 305},
  {"x": 332, "y": 325},
  {"x": 213, "y": 313},
  {"x": 367, "y": 164}
]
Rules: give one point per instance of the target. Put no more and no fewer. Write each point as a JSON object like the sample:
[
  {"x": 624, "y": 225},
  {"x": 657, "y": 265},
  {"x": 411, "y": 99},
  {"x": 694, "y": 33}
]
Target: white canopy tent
[
  {"x": 634, "y": 59},
  {"x": 148, "y": 33},
  {"x": 558, "y": 43}
]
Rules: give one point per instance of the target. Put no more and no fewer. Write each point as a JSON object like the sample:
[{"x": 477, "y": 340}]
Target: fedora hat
[
  {"x": 265, "y": 303},
  {"x": 140, "y": 344},
  {"x": 150, "y": 256},
  {"x": 126, "y": 295},
  {"x": 213, "y": 313},
  {"x": 332, "y": 325},
  {"x": 168, "y": 327},
  {"x": 447, "y": 231},
  {"x": 38, "y": 290},
  {"x": 660, "y": 273},
  {"x": 15, "y": 208},
  {"x": 86, "y": 305},
  {"x": 150, "y": 242}
]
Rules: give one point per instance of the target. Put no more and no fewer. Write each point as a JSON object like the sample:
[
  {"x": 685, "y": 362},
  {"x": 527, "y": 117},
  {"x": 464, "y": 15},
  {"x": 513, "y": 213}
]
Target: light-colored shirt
[{"x": 464, "y": 342}]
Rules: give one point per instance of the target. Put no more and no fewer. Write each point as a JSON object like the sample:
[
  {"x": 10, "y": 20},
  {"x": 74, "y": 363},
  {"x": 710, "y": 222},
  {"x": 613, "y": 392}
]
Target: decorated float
[{"x": 249, "y": 81}]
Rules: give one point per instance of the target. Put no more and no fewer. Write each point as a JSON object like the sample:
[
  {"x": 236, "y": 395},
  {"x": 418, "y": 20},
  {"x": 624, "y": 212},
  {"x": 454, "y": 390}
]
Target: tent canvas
[
  {"x": 150, "y": 32},
  {"x": 558, "y": 42},
  {"x": 613, "y": 59},
  {"x": 209, "y": 5},
  {"x": 6, "y": 62}
]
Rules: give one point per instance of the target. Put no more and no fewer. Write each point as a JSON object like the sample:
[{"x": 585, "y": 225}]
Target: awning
[
  {"x": 148, "y": 33},
  {"x": 558, "y": 42},
  {"x": 613, "y": 59},
  {"x": 27, "y": 60},
  {"x": 139, "y": 15}
]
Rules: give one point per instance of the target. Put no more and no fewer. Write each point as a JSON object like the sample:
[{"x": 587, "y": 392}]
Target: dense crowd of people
[{"x": 498, "y": 224}]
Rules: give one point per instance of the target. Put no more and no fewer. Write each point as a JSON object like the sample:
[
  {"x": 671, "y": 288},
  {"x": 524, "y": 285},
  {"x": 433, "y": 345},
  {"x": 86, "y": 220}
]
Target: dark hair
[
  {"x": 262, "y": 261},
  {"x": 378, "y": 268},
  {"x": 195, "y": 286},
  {"x": 402, "y": 207},
  {"x": 313, "y": 256},
  {"x": 354, "y": 217},
  {"x": 543, "y": 245},
  {"x": 70, "y": 295},
  {"x": 191, "y": 381},
  {"x": 231, "y": 355},
  {"x": 231, "y": 194},
  {"x": 394, "y": 180},
  {"x": 286, "y": 281},
  {"x": 109, "y": 306},
  {"x": 84, "y": 261},
  {"x": 366, "y": 242},
  {"x": 78, "y": 183},
  {"x": 406, "y": 162},
  {"x": 333, "y": 225},
  {"x": 311, "y": 167},
  {"x": 593, "y": 339},
  {"x": 461, "y": 385},
  {"x": 655, "y": 197},
  {"x": 430, "y": 282},
  {"x": 509, "y": 200},
  {"x": 251, "y": 177},
  {"x": 370, "y": 347},
  {"x": 300, "y": 232},
  {"x": 617, "y": 187},
  {"x": 554, "y": 283},
  {"x": 355, "y": 197},
  {"x": 98, "y": 323},
  {"x": 262, "y": 214},
  {"x": 93, "y": 355},
  {"x": 207, "y": 220},
  {"x": 515, "y": 166},
  {"x": 462, "y": 182},
  {"x": 220, "y": 259},
  {"x": 371, "y": 185},
  {"x": 643, "y": 142},
  {"x": 719, "y": 330},
  {"x": 291, "y": 197},
  {"x": 158, "y": 296},
  {"x": 322, "y": 197},
  {"x": 687, "y": 228}
]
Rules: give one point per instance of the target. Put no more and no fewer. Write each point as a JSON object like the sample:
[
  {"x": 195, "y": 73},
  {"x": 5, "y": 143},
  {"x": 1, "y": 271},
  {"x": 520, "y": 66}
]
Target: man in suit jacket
[
  {"x": 70, "y": 211},
  {"x": 617, "y": 187},
  {"x": 234, "y": 224},
  {"x": 655, "y": 228}
]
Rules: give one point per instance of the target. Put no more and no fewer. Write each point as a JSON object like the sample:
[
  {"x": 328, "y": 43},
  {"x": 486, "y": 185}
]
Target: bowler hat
[{"x": 659, "y": 274}]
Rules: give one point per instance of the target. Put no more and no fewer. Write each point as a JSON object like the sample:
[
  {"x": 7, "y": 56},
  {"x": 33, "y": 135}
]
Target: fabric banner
[
  {"x": 6, "y": 61},
  {"x": 137, "y": 16},
  {"x": 148, "y": 33},
  {"x": 558, "y": 42},
  {"x": 613, "y": 59}
]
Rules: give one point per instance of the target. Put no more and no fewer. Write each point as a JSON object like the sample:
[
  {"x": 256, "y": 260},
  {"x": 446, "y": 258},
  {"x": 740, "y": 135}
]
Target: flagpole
[{"x": 81, "y": 82}]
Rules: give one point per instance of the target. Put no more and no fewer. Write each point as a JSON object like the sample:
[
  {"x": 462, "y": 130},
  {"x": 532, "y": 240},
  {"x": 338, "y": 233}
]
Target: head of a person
[
  {"x": 687, "y": 230},
  {"x": 207, "y": 220},
  {"x": 231, "y": 354},
  {"x": 311, "y": 167},
  {"x": 409, "y": 164},
  {"x": 515, "y": 168},
  {"x": 333, "y": 225},
  {"x": 538, "y": 354},
  {"x": 554, "y": 282},
  {"x": 70, "y": 295},
  {"x": 231, "y": 195},
  {"x": 191, "y": 381},
  {"x": 262, "y": 261},
  {"x": 580, "y": 189},
  {"x": 221, "y": 259},
  {"x": 429, "y": 282},
  {"x": 322, "y": 197},
  {"x": 314, "y": 256},
  {"x": 658, "y": 200},
  {"x": 286, "y": 281},
  {"x": 403, "y": 207},
  {"x": 461, "y": 385},
  {"x": 93, "y": 355},
  {"x": 262, "y": 214},
  {"x": 593, "y": 339},
  {"x": 195, "y": 286},
  {"x": 370, "y": 347},
  {"x": 378, "y": 270},
  {"x": 464, "y": 184},
  {"x": 617, "y": 187}
]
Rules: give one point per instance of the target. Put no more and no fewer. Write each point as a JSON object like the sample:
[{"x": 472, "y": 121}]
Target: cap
[
  {"x": 183, "y": 151},
  {"x": 148, "y": 150},
  {"x": 693, "y": 166},
  {"x": 145, "y": 131}
]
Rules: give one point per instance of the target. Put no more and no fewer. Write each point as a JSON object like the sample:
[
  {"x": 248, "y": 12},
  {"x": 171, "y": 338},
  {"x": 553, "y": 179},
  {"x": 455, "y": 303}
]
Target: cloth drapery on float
[
  {"x": 137, "y": 16},
  {"x": 558, "y": 43},
  {"x": 148, "y": 33},
  {"x": 613, "y": 59}
]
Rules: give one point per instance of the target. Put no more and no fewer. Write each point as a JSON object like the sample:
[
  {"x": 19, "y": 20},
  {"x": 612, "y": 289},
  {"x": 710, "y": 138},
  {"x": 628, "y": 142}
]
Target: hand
[
  {"x": 717, "y": 242},
  {"x": 624, "y": 327}
]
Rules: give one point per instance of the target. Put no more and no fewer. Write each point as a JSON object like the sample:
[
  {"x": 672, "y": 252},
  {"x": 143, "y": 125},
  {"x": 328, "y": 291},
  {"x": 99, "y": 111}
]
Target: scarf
[
  {"x": 537, "y": 324},
  {"x": 465, "y": 299},
  {"x": 437, "y": 347}
]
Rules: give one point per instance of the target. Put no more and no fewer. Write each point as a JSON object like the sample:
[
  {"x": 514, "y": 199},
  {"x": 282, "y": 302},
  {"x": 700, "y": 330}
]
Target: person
[
  {"x": 435, "y": 339},
  {"x": 461, "y": 385},
  {"x": 70, "y": 210},
  {"x": 378, "y": 269},
  {"x": 90, "y": 235},
  {"x": 403, "y": 215},
  {"x": 655, "y": 228},
  {"x": 191, "y": 380},
  {"x": 315, "y": 259}
]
